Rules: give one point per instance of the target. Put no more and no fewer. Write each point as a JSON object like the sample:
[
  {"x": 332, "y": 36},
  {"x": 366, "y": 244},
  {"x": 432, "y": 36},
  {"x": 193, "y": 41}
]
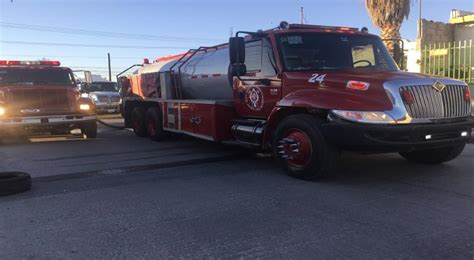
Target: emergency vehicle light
[
  {"x": 323, "y": 27},
  {"x": 25, "y": 62},
  {"x": 357, "y": 85}
]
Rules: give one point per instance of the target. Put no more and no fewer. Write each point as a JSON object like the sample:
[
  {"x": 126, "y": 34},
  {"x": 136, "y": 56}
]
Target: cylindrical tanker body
[{"x": 204, "y": 75}]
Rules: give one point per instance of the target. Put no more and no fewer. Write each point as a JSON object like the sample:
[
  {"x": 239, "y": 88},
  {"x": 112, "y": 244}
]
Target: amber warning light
[{"x": 25, "y": 62}]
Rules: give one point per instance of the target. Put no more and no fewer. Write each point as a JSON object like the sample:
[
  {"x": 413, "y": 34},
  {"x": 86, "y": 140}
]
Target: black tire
[
  {"x": 434, "y": 156},
  {"x": 14, "y": 182},
  {"x": 154, "y": 124},
  {"x": 89, "y": 130},
  {"x": 321, "y": 159},
  {"x": 138, "y": 121}
]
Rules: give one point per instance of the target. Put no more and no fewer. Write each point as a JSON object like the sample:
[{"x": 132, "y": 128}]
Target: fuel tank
[{"x": 203, "y": 75}]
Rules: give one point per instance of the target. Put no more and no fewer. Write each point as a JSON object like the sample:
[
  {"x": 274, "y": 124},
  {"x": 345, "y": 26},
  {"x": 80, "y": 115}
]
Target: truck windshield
[
  {"x": 30, "y": 76},
  {"x": 103, "y": 87},
  {"x": 325, "y": 51}
]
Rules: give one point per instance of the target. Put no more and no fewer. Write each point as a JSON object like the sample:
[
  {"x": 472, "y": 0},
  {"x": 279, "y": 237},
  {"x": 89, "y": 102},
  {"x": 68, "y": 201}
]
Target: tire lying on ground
[{"x": 14, "y": 182}]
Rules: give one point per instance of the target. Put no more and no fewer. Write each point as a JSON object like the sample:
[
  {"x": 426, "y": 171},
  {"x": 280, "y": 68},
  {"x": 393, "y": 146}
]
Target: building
[{"x": 445, "y": 49}]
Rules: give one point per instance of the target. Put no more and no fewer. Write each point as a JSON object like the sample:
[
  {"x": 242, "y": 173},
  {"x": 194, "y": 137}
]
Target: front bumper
[
  {"x": 396, "y": 138},
  {"x": 107, "y": 107},
  {"x": 38, "y": 122}
]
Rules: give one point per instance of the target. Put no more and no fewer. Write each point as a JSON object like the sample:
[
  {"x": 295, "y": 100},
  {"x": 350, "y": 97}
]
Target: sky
[{"x": 155, "y": 28}]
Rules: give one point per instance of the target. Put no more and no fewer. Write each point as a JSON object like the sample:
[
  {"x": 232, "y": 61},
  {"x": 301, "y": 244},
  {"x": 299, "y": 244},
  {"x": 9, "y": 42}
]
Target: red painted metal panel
[
  {"x": 203, "y": 119},
  {"x": 186, "y": 113}
]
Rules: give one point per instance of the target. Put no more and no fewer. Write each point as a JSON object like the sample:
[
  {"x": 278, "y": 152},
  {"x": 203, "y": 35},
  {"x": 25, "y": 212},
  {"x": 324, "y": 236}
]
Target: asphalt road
[{"x": 126, "y": 197}]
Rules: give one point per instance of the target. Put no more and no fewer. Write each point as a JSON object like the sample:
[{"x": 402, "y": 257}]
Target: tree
[{"x": 388, "y": 15}]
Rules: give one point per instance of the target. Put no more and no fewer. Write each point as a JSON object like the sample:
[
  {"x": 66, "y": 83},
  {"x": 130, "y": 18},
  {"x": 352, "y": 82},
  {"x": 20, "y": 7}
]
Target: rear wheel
[
  {"x": 434, "y": 156},
  {"x": 138, "y": 121},
  {"x": 301, "y": 148},
  {"x": 89, "y": 130},
  {"x": 154, "y": 124}
]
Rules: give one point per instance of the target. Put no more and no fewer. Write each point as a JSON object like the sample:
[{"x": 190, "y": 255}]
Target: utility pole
[
  {"x": 419, "y": 18},
  {"x": 110, "y": 69},
  {"x": 302, "y": 15},
  {"x": 231, "y": 32}
]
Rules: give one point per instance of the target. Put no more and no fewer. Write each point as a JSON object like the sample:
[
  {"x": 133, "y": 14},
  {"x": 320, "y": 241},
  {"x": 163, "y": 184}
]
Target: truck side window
[
  {"x": 268, "y": 61},
  {"x": 253, "y": 56}
]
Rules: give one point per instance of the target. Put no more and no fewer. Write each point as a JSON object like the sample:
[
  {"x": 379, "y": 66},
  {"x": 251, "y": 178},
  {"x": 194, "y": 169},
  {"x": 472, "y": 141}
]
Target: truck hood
[
  {"x": 43, "y": 99},
  {"x": 329, "y": 91}
]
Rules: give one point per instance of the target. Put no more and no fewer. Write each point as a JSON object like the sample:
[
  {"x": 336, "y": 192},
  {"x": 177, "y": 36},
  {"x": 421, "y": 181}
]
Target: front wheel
[
  {"x": 301, "y": 148},
  {"x": 434, "y": 156},
  {"x": 89, "y": 130}
]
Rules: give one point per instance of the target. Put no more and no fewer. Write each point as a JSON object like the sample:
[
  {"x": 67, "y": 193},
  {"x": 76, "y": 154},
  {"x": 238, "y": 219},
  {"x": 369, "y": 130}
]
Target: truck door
[{"x": 257, "y": 93}]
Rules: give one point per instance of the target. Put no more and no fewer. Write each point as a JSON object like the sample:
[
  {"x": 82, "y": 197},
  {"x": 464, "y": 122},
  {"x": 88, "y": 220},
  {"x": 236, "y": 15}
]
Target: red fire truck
[
  {"x": 42, "y": 97},
  {"x": 305, "y": 92}
]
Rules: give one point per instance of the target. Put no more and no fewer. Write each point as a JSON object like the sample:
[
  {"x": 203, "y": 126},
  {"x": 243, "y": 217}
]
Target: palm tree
[{"x": 388, "y": 15}]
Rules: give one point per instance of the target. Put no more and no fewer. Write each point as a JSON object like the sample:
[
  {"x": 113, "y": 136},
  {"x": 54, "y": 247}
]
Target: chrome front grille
[
  {"x": 108, "y": 99},
  {"x": 115, "y": 99},
  {"x": 429, "y": 103},
  {"x": 103, "y": 99}
]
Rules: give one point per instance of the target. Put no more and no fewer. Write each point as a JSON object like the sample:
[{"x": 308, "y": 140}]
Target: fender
[{"x": 322, "y": 99}]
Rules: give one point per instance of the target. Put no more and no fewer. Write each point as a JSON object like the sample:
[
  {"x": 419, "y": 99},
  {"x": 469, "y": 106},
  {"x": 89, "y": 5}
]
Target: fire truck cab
[
  {"x": 42, "y": 97},
  {"x": 304, "y": 92}
]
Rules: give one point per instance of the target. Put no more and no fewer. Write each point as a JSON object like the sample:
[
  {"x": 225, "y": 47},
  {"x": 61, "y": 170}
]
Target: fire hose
[{"x": 110, "y": 125}]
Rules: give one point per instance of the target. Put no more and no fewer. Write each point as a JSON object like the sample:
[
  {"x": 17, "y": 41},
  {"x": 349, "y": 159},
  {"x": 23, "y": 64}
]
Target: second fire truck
[{"x": 305, "y": 92}]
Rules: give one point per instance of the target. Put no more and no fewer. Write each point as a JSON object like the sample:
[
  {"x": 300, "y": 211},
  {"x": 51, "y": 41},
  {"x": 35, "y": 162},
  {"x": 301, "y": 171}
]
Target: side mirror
[{"x": 236, "y": 50}]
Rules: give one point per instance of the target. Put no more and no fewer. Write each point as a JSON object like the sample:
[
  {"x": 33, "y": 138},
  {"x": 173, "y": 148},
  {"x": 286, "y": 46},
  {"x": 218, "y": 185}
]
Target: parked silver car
[{"x": 105, "y": 96}]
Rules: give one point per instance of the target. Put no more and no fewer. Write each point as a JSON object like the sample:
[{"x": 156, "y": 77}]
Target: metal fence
[{"x": 451, "y": 59}]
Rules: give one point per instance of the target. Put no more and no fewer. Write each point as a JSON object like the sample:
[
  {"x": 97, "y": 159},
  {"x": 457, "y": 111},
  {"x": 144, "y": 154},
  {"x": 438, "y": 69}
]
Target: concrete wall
[
  {"x": 433, "y": 32},
  {"x": 463, "y": 33},
  {"x": 412, "y": 57}
]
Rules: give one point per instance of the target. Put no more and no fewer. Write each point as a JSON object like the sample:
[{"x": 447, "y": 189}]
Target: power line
[
  {"x": 94, "y": 45},
  {"x": 74, "y": 31}
]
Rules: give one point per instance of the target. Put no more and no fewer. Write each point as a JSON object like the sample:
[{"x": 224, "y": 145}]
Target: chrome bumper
[
  {"x": 46, "y": 120},
  {"x": 106, "y": 107}
]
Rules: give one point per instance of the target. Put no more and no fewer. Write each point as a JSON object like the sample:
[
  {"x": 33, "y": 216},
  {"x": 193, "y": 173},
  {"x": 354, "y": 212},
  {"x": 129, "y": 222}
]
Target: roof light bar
[
  {"x": 30, "y": 62},
  {"x": 308, "y": 26}
]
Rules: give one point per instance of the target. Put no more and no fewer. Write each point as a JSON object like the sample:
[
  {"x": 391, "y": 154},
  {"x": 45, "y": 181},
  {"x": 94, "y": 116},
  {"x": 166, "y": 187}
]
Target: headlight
[
  {"x": 94, "y": 98},
  {"x": 3, "y": 111},
  {"x": 373, "y": 117},
  {"x": 84, "y": 107}
]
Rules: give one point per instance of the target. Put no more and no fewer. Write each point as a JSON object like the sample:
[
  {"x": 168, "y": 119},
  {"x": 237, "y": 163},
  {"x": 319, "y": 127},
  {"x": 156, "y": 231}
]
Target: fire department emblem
[
  {"x": 439, "y": 86},
  {"x": 254, "y": 98}
]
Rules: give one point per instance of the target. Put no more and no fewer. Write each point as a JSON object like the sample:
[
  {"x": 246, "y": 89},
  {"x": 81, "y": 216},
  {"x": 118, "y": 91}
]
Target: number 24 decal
[{"x": 317, "y": 78}]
